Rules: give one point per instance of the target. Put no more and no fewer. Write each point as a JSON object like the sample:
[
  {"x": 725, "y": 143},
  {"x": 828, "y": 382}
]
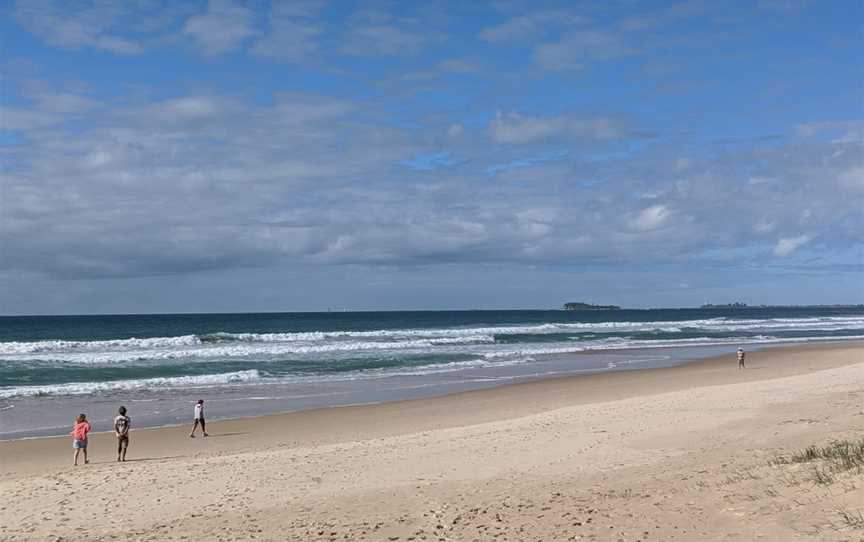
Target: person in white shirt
[
  {"x": 199, "y": 418},
  {"x": 741, "y": 358},
  {"x": 122, "y": 423}
]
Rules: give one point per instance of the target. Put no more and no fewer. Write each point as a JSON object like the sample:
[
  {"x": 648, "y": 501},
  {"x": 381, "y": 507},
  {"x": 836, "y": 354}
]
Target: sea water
[{"x": 52, "y": 367}]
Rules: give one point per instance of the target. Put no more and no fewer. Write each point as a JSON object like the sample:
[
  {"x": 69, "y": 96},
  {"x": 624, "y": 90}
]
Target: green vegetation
[{"x": 838, "y": 456}]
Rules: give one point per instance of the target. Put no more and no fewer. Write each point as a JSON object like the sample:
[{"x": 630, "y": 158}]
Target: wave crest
[
  {"x": 454, "y": 334},
  {"x": 87, "y": 388}
]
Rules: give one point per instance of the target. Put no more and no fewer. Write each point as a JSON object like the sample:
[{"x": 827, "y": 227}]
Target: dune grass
[
  {"x": 852, "y": 518},
  {"x": 838, "y": 456}
]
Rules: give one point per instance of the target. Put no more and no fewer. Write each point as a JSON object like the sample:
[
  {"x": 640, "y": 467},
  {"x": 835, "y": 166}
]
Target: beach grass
[
  {"x": 836, "y": 457},
  {"x": 852, "y": 518}
]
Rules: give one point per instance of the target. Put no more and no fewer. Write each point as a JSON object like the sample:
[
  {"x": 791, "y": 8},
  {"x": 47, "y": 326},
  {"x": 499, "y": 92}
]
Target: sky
[{"x": 220, "y": 156}]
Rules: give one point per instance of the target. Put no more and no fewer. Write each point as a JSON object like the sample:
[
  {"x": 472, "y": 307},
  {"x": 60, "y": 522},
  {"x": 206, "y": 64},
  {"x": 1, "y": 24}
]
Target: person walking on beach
[
  {"x": 199, "y": 418},
  {"x": 741, "y": 358},
  {"x": 122, "y": 423},
  {"x": 79, "y": 437}
]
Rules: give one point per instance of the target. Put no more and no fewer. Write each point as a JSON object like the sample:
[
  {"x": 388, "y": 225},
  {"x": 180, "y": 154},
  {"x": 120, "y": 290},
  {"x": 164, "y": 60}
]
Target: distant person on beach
[
  {"x": 79, "y": 437},
  {"x": 199, "y": 418},
  {"x": 741, "y": 358},
  {"x": 122, "y": 423}
]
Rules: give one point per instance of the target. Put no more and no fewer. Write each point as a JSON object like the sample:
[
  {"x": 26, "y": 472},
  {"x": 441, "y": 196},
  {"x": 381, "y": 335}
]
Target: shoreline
[
  {"x": 253, "y": 366},
  {"x": 563, "y": 379},
  {"x": 697, "y": 354},
  {"x": 709, "y": 358},
  {"x": 501, "y": 402}
]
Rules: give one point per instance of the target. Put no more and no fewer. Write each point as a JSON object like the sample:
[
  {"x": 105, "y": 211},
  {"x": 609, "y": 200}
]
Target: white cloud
[
  {"x": 681, "y": 164},
  {"x": 98, "y": 158},
  {"x": 20, "y": 119},
  {"x": 843, "y": 131},
  {"x": 288, "y": 40},
  {"x": 442, "y": 68},
  {"x": 530, "y": 25},
  {"x": 514, "y": 28},
  {"x": 89, "y": 24},
  {"x": 514, "y": 128},
  {"x": 578, "y": 50},
  {"x": 128, "y": 176},
  {"x": 788, "y": 245},
  {"x": 764, "y": 225},
  {"x": 455, "y": 65},
  {"x": 221, "y": 29},
  {"x": 852, "y": 179},
  {"x": 666, "y": 15},
  {"x": 293, "y": 33},
  {"x": 368, "y": 40},
  {"x": 205, "y": 181},
  {"x": 650, "y": 218},
  {"x": 189, "y": 107},
  {"x": 301, "y": 109},
  {"x": 49, "y": 109},
  {"x": 640, "y": 22},
  {"x": 786, "y": 6}
]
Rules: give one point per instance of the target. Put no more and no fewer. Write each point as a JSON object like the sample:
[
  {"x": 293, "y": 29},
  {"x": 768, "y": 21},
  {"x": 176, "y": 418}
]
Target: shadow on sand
[{"x": 139, "y": 459}]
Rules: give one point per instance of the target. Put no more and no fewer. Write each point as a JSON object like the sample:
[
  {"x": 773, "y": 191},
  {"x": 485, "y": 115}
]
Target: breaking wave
[
  {"x": 409, "y": 338},
  {"x": 88, "y": 388},
  {"x": 247, "y": 358}
]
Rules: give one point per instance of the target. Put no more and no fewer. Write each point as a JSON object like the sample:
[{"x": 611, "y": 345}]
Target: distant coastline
[
  {"x": 578, "y": 306},
  {"x": 739, "y": 305}
]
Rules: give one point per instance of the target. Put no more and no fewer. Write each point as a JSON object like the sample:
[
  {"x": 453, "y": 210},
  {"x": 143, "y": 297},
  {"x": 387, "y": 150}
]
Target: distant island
[
  {"x": 736, "y": 305},
  {"x": 739, "y": 305},
  {"x": 589, "y": 307}
]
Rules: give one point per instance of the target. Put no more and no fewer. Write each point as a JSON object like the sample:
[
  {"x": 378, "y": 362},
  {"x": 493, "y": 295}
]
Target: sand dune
[{"x": 688, "y": 453}]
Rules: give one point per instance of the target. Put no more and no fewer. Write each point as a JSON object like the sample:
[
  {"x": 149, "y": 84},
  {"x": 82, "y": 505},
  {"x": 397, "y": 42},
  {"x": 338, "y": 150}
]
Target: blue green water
[{"x": 299, "y": 360}]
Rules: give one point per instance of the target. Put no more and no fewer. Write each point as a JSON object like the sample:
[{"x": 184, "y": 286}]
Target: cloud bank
[{"x": 251, "y": 138}]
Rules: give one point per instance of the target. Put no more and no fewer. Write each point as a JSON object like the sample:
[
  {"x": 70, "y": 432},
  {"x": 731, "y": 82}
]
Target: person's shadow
[{"x": 140, "y": 459}]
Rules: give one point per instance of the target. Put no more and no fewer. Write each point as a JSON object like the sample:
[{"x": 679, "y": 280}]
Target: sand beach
[{"x": 697, "y": 452}]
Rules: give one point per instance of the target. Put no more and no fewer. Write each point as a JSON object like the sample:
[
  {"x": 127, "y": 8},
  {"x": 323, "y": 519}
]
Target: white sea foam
[
  {"x": 87, "y": 388},
  {"x": 484, "y": 345},
  {"x": 418, "y": 370},
  {"x": 244, "y": 350},
  {"x": 480, "y": 340},
  {"x": 16, "y": 347},
  {"x": 246, "y": 377},
  {"x": 487, "y": 356},
  {"x": 626, "y": 344},
  {"x": 354, "y": 340}
]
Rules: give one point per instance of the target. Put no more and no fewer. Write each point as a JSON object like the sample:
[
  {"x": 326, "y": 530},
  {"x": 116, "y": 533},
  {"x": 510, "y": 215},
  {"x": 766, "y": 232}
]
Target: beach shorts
[
  {"x": 123, "y": 440},
  {"x": 79, "y": 444}
]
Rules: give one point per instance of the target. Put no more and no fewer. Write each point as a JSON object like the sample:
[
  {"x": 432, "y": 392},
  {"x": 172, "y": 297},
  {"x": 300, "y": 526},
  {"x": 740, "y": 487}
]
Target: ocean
[{"x": 52, "y": 367}]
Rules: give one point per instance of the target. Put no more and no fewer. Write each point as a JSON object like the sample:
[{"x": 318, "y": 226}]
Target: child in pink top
[{"x": 79, "y": 437}]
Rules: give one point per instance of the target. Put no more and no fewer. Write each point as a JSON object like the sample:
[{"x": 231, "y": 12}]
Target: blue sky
[{"x": 242, "y": 156}]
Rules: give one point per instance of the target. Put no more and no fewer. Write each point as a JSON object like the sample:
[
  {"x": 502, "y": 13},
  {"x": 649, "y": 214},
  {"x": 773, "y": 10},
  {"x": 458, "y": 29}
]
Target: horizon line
[{"x": 350, "y": 311}]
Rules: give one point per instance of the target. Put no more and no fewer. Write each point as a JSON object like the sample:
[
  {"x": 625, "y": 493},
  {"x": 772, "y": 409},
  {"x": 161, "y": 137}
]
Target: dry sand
[{"x": 667, "y": 454}]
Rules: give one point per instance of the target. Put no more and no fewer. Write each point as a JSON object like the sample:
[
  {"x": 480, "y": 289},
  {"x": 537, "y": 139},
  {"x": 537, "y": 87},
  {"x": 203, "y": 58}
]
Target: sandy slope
[{"x": 671, "y": 454}]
